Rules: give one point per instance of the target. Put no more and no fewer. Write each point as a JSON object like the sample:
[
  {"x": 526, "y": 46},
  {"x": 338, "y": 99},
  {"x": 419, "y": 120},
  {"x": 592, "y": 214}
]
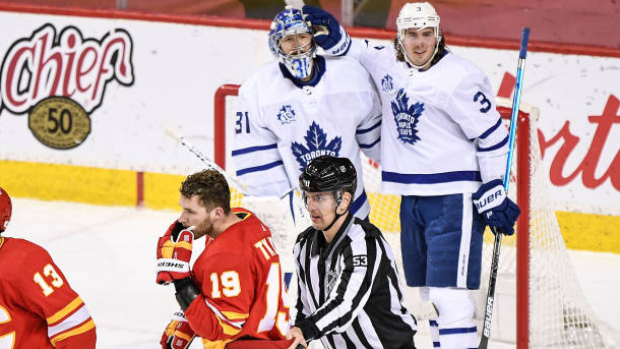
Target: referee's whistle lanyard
[{"x": 326, "y": 250}]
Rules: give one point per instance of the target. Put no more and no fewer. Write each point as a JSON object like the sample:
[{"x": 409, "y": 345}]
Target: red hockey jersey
[
  {"x": 38, "y": 308},
  {"x": 243, "y": 294}
]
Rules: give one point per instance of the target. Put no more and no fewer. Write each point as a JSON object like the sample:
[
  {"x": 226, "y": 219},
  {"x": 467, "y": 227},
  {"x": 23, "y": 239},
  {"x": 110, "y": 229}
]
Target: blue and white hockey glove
[
  {"x": 328, "y": 33},
  {"x": 497, "y": 210}
]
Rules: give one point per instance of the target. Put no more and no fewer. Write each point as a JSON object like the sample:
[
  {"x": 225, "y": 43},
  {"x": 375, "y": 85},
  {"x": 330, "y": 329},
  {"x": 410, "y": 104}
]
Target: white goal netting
[{"x": 556, "y": 313}]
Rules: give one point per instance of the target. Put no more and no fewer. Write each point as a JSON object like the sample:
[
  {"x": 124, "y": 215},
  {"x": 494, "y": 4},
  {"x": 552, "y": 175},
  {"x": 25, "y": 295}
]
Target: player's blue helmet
[{"x": 291, "y": 22}]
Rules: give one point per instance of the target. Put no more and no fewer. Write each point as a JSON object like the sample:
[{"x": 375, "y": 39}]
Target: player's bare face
[
  {"x": 322, "y": 208},
  {"x": 296, "y": 44},
  {"x": 195, "y": 214},
  {"x": 420, "y": 45}
]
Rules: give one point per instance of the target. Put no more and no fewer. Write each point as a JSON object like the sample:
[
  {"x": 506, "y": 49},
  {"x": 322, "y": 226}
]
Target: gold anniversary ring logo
[{"x": 59, "y": 123}]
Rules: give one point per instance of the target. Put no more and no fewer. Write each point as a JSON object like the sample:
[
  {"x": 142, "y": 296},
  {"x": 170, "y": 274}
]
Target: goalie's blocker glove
[
  {"x": 178, "y": 334},
  {"x": 328, "y": 33},
  {"x": 174, "y": 251},
  {"x": 497, "y": 210}
]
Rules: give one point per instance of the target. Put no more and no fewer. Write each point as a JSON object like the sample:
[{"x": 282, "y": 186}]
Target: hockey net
[{"x": 538, "y": 299}]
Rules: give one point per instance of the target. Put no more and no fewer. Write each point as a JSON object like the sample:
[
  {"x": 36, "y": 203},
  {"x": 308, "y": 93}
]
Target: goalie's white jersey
[
  {"x": 281, "y": 125},
  {"x": 441, "y": 132}
]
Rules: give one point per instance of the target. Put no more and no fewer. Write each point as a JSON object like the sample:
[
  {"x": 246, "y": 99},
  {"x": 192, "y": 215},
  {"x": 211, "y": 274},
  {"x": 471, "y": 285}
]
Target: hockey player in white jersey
[
  {"x": 444, "y": 150},
  {"x": 302, "y": 106}
]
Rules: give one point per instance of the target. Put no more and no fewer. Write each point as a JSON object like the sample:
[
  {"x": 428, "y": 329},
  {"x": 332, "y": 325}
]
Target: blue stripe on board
[
  {"x": 259, "y": 168},
  {"x": 433, "y": 323}
]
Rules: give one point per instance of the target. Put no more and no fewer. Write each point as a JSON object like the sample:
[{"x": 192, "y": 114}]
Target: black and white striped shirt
[{"x": 349, "y": 294}]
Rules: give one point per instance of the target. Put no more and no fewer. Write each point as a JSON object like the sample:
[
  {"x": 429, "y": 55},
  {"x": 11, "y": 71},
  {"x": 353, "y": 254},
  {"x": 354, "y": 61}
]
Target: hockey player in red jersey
[
  {"x": 38, "y": 308},
  {"x": 234, "y": 295}
]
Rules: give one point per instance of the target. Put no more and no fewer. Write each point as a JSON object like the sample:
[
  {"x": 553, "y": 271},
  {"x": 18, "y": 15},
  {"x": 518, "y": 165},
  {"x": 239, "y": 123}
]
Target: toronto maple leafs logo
[
  {"x": 406, "y": 117},
  {"x": 316, "y": 145},
  {"x": 387, "y": 84},
  {"x": 286, "y": 115}
]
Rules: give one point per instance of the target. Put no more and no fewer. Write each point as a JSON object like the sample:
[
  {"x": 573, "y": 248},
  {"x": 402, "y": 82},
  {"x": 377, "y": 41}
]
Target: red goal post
[{"x": 523, "y": 145}]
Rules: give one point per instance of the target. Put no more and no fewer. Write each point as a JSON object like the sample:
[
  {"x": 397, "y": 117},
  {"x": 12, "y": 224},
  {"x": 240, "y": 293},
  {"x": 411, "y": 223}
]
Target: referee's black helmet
[{"x": 328, "y": 173}]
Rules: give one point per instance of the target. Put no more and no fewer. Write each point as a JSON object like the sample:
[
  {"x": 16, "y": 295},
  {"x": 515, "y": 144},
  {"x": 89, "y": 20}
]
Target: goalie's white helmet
[
  {"x": 291, "y": 22},
  {"x": 419, "y": 15}
]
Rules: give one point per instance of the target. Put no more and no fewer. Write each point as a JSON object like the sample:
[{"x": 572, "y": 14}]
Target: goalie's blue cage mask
[{"x": 291, "y": 22}]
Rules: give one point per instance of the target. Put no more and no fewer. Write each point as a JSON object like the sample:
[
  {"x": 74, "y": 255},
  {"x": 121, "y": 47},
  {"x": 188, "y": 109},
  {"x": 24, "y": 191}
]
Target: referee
[{"x": 349, "y": 294}]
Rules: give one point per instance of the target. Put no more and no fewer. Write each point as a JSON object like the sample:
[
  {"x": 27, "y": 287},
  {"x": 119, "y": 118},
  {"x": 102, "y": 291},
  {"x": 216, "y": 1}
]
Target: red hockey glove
[
  {"x": 178, "y": 334},
  {"x": 174, "y": 251}
]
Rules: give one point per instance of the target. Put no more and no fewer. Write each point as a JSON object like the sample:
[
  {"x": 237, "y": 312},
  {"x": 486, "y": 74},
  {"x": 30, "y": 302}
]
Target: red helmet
[{"x": 5, "y": 209}]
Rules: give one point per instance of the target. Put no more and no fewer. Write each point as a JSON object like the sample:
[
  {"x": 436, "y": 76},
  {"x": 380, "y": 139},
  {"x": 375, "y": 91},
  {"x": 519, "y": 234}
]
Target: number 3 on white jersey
[{"x": 7, "y": 341}]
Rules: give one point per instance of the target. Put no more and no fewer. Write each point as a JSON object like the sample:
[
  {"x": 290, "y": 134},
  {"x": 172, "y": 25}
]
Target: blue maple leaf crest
[
  {"x": 406, "y": 117},
  {"x": 316, "y": 145},
  {"x": 286, "y": 115}
]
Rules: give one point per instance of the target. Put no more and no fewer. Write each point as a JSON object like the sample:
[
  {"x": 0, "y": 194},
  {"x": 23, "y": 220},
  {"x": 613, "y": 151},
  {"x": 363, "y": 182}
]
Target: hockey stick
[
  {"x": 516, "y": 101},
  {"x": 210, "y": 164}
]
